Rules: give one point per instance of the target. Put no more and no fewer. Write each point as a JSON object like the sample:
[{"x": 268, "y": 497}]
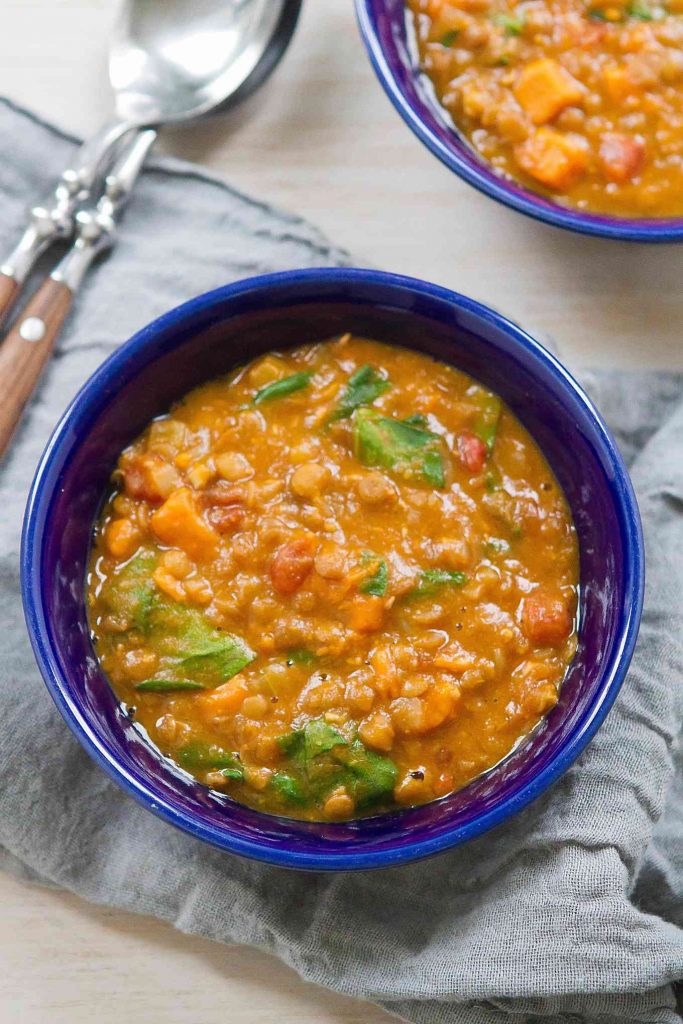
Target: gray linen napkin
[{"x": 571, "y": 912}]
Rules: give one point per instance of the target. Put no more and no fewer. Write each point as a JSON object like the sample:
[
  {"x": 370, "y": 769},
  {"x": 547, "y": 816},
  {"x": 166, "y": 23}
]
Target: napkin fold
[{"x": 571, "y": 912}]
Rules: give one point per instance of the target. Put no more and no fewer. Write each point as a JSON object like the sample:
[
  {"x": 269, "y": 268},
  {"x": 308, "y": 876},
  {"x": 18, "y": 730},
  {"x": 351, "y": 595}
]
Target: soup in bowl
[
  {"x": 332, "y": 568},
  {"x": 566, "y": 110}
]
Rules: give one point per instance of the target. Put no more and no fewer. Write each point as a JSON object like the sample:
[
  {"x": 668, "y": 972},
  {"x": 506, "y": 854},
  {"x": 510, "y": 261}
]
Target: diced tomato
[
  {"x": 223, "y": 494},
  {"x": 226, "y": 519},
  {"x": 621, "y": 156},
  {"x": 546, "y": 619},
  {"x": 472, "y": 451},
  {"x": 292, "y": 564}
]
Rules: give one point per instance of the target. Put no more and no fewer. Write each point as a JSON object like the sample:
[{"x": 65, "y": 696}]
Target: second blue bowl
[
  {"x": 209, "y": 336},
  {"x": 387, "y": 35}
]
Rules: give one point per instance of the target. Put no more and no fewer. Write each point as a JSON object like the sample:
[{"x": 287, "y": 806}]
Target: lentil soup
[
  {"x": 341, "y": 580},
  {"x": 581, "y": 100}
]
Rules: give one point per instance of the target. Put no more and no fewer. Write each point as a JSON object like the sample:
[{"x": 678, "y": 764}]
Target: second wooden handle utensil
[{"x": 29, "y": 344}]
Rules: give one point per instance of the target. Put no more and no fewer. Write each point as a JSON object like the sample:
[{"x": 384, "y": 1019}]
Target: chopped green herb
[
  {"x": 364, "y": 386},
  {"x": 486, "y": 423},
  {"x": 375, "y": 584},
  {"x": 493, "y": 479},
  {"x": 431, "y": 581},
  {"x": 448, "y": 38},
  {"x": 511, "y": 23},
  {"x": 283, "y": 388},
  {"x": 503, "y": 60},
  {"x": 300, "y": 656},
  {"x": 496, "y": 546},
  {"x": 168, "y": 685},
  {"x": 644, "y": 12},
  {"x": 201, "y": 756},
  {"x": 410, "y": 451},
  {"x": 599, "y": 15},
  {"x": 236, "y": 774}
]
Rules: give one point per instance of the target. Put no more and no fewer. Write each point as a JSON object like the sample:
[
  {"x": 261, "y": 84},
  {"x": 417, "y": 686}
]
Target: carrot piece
[
  {"x": 621, "y": 156},
  {"x": 179, "y": 524},
  {"x": 544, "y": 89},
  {"x": 546, "y": 619}
]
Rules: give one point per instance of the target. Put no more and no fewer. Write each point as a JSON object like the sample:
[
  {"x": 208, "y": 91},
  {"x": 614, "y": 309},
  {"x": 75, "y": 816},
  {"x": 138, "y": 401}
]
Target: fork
[{"x": 30, "y": 342}]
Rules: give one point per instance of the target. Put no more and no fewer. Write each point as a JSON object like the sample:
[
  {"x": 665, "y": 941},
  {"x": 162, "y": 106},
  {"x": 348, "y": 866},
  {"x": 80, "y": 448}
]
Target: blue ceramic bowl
[
  {"x": 387, "y": 34},
  {"x": 209, "y": 336}
]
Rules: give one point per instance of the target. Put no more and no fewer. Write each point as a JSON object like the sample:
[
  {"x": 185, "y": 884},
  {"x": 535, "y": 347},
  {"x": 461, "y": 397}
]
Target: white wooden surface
[{"x": 323, "y": 140}]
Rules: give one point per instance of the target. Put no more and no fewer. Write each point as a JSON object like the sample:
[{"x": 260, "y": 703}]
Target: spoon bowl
[{"x": 175, "y": 61}]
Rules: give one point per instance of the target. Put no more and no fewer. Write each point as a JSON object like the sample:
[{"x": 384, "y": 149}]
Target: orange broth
[{"x": 339, "y": 580}]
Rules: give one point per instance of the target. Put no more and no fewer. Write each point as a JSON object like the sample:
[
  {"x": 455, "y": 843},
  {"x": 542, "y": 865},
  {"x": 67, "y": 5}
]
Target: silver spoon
[{"x": 169, "y": 62}]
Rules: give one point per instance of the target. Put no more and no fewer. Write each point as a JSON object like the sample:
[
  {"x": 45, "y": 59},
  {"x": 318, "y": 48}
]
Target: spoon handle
[
  {"x": 31, "y": 341},
  {"x": 53, "y": 219},
  {"x": 27, "y": 348}
]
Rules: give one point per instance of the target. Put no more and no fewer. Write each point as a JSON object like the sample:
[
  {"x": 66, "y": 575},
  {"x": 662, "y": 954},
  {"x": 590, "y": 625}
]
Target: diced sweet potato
[
  {"x": 544, "y": 89},
  {"x": 546, "y": 619},
  {"x": 553, "y": 158},
  {"x": 122, "y": 538},
  {"x": 180, "y": 524},
  {"x": 621, "y": 156},
  {"x": 367, "y": 614},
  {"x": 291, "y": 564},
  {"x": 225, "y": 699}
]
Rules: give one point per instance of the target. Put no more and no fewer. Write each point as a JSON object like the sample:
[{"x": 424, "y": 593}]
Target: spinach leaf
[
  {"x": 371, "y": 775},
  {"x": 168, "y": 685},
  {"x": 316, "y": 737},
  {"x": 300, "y": 656},
  {"x": 283, "y": 388},
  {"x": 185, "y": 638},
  {"x": 409, "y": 450},
  {"x": 132, "y": 594},
  {"x": 431, "y": 581},
  {"x": 364, "y": 386},
  {"x": 288, "y": 788},
  {"x": 204, "y": 756},
  {"x": 321, "y": 759},
  {"x": 375, "y": 584},
  {"x": 418, "y": 419}
]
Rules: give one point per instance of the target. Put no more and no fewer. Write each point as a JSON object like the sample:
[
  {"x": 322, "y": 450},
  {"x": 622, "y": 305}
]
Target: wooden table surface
[{"x": 320, "y": 139}]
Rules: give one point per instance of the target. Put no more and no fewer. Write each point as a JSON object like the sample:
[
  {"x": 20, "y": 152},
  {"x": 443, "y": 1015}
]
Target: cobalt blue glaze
[
  {"x": 385, "y": 30},
  {"x": 212, "y": 334}
]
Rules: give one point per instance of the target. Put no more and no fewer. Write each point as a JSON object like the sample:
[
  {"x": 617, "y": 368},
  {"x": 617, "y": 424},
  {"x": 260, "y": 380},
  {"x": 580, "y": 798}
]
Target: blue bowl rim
[
  {"x": 483, "y": 178},
  {"x": 86, "y": 402}
]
